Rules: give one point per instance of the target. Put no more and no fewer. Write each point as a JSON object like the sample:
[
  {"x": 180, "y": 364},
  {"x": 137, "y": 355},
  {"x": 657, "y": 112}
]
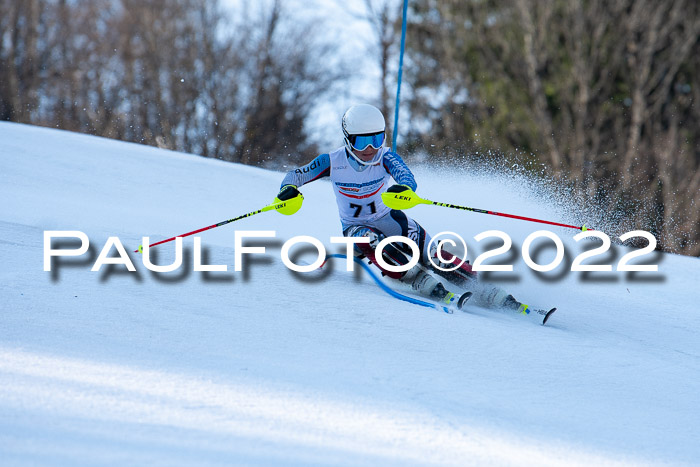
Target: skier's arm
[
  {"x": 318, "y": 168},
  {"x": 398, "y": 169}
]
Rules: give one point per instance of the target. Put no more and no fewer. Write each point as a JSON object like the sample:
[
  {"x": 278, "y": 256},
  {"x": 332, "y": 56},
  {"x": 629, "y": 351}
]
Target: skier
[{"x": 360, "y": 171}]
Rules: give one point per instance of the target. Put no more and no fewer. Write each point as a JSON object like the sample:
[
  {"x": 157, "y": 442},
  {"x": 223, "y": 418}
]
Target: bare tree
[
  {"x": 288, "y": 77},
  {"x": 172, "y": 73},
  {"x": 19, "y": 58},
  {"x": 384, "y": 17},
  {"x": 600, "y": 91}
]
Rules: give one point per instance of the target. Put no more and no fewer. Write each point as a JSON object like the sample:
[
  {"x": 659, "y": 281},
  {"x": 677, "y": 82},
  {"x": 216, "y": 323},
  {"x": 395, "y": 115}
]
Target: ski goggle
[{"x": 362, "y": 142}]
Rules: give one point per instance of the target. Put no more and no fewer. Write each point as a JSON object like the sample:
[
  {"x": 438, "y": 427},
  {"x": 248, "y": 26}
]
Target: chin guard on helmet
[{"x": 359, "y": 164}]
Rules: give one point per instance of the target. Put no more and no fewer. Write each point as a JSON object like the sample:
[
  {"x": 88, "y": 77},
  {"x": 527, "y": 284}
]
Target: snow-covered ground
[{"x": 265, "y": 366}]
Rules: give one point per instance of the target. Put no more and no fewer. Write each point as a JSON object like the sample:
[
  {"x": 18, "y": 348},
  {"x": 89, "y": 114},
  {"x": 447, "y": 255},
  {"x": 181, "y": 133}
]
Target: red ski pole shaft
[
  {"x": 286, "y": 207},
  {"x": 582, "y": 228},
  {"x": 266, "y": 208}
]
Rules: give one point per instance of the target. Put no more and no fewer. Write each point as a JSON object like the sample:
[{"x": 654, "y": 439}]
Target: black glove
[
  {"x": 397, "y": 188},
  {"x": 288, "y": 192}
]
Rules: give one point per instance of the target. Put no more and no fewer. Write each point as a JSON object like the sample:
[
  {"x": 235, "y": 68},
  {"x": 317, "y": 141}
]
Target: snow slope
[{"x": 266, "y": 366}]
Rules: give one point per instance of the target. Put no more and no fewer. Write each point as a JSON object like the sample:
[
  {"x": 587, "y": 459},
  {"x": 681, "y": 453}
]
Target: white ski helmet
[{"x": 363, "y": 126}]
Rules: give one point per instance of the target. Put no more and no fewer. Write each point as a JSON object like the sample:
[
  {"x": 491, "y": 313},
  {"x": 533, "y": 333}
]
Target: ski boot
[
  {"x": 426, "y": 285},
  {"x": 442, "y": 294},
  {"x": 511, "y": 303}
]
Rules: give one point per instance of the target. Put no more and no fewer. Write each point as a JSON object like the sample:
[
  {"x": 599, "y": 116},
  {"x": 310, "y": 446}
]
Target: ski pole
[
  {"x": 408, "y": 199},
  {"x": 287, "y": 207}
]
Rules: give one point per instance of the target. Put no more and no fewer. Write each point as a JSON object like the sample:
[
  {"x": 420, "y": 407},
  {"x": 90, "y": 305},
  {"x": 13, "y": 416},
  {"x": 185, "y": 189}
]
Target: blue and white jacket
[{"x": 358, "y": 193}]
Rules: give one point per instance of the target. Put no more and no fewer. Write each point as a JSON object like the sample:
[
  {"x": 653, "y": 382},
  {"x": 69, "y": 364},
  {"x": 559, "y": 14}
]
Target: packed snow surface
[{"x": 266, "y": 366}]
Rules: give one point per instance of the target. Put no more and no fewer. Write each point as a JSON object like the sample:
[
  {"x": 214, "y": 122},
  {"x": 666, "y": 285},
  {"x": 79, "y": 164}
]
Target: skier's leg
[
  {"x": 390, "y": 254},
  {"x": 492, "y": 296},
  {"x": 485, "y": 295},
  {"x": 451, "y": 267},
  {"x": 398, "y": 254},
  {"x": 408, "y": 227}
]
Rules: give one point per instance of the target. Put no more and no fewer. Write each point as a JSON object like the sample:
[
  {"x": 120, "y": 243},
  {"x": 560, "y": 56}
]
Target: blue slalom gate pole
[
  {"x": 398, "y": 88},
  {"x": 391, "y": 291}
]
